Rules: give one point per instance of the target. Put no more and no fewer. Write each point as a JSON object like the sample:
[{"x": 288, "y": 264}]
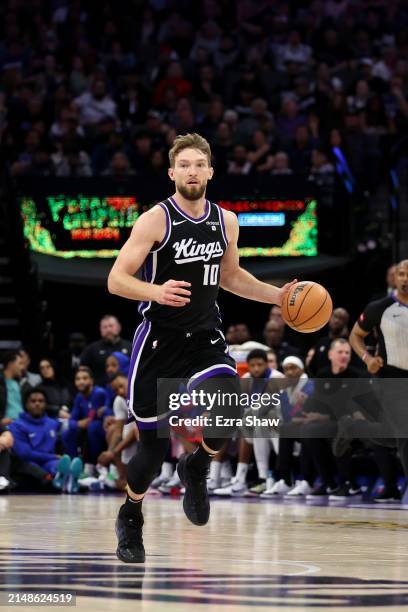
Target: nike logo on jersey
[
  {"x": 214, "y": 341},
  {"x": 178, "y": 222},
  {"x": 188, "y": 250},
  {"x": 398, "y": 315}
]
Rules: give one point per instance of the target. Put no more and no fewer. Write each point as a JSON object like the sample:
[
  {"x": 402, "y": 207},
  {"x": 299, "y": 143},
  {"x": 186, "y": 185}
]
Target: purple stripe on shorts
[
  {"x": 151, "y": 424},
  {"x": 206, "y": 375},
  {"x": 138, "y": 341},
  {"x": 207, "y": 211}
]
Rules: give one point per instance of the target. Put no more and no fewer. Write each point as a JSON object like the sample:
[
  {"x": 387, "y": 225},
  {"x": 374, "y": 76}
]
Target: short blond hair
[
  {"x": 401, "y": 264},
  {"x": 189, "y": 141}
]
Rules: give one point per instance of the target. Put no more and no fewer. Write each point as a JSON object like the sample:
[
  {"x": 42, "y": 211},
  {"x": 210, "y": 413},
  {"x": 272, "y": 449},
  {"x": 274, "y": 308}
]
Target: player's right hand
[
  {"x": 374, "y": 364},
  {"x": 174, "y": 293}
]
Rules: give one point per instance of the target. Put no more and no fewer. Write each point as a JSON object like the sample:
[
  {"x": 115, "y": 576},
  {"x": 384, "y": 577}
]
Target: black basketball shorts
[{"x": 172, "y": 354}]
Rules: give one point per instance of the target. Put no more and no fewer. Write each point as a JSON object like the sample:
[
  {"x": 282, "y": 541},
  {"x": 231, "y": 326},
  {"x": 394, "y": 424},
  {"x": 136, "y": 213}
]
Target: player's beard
[{"x": 192, "y": 192}]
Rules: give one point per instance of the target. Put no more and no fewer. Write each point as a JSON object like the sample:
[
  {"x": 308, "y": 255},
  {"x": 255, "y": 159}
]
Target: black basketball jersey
[
  {"x": 390, "y": 319},
  {"x": 191, "y": 251}
]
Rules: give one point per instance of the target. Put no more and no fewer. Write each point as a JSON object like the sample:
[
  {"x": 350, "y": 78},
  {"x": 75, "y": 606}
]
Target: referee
[{"x": 389, "y": 318}]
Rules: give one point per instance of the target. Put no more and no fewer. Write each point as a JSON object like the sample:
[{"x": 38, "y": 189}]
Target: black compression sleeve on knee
[
  {"x": 215, "y": 444},
  {"x": 146, "y": 463}
]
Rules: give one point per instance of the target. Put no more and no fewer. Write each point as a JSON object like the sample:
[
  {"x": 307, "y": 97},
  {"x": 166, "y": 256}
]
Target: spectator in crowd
[
  {"x": 28, "y": 378},
  {"x": 35, "y": 443},
  {"x": 318, "y": 424},
  {"x": 293, "y": 51},
  {"x": 109, "y": 142},
  {"x": 274, "y": 338},
  {"x": 95, "y": 354},
  {"x": 158, "y": 168},
  {"x": 338, "y": 328},
  {"x": 6, "y": 443},
  {"x": 262, "y": 380},
  {"x": 141, "y": 152},
  {"x": 86, "y": 422},
  {"x": 260, "y": 156},
  {"x": 259, "y": 118},
  {"x": 275, "y": 313},
  {"x": 272, "y": 360},
  {"x": 306, "y": 68},
  {"x": 11, "y": 403},
  {"x": 173, "y": 78},
  {"x": 71, "y": 161},
  {"x": 95, "y": 104},
  {"x": 288, "y": 121},
  {"x": 116, "y": 363},
  {"x": 57, "y": 394},
  {"x": 390, "y": 279},
  {"x": 242, "y": 333},
  {"x": 292, "y": 399},
  {"x": 281, "y": 164},
  {"x": 320, "y": 163},
  {"x": 121, "y": 438},
  {"x": 300, "y": 150},
  {"x": 119, "y": 166},
  {"x": 69, "y": 359},
  {"x": 239, "y": 162}
]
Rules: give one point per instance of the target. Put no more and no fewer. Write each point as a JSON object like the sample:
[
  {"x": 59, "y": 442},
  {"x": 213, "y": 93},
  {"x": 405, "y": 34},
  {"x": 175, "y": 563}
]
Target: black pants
[
  {"x": 387, "y": 465},
  {"x": 5, "y": 464},
  {"x": 316, "y": 439},
  {"x": 28, "y": 476},
  {"x": 285, "y": 461}
]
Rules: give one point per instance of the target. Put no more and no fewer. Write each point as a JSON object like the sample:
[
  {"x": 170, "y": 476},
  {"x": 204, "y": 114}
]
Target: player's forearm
[
  {"x": 357, "y": 344},
  {"x": 127, "y": 286},
  {"x": 245, "y": 285}
]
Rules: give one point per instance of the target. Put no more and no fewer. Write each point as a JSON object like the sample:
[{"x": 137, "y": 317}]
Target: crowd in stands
[
  {"x": 71, "y": 433},
  {"x": 90, "y": 89}
]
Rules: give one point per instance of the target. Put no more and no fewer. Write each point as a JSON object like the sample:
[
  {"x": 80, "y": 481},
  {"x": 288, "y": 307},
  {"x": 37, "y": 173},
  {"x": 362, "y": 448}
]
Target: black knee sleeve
[
  {"x": 215, "y": 444},
  {"x": 146, "y": 463}
]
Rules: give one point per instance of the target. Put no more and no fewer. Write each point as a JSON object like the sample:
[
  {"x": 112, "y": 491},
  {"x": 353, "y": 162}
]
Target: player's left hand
[{"x": 283, "y": 290}]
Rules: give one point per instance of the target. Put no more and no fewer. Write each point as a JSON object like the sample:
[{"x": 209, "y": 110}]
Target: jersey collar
[{"x": 186, "y": 216}]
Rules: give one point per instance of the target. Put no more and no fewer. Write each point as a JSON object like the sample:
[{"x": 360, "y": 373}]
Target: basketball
[{"x": 307, "y": 307}]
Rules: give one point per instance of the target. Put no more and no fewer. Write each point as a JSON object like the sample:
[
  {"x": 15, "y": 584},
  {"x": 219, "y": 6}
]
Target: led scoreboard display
[
  {"x": 97, "y": 226},
  {"x": 270, "y": 227}
]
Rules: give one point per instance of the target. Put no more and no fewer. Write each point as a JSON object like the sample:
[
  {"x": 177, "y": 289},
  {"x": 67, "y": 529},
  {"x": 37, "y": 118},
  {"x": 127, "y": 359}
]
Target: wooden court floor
[{"x": 251, "y": 555}]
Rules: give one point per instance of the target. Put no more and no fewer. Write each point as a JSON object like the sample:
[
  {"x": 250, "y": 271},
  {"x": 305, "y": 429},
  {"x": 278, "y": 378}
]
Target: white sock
[
  {"x": 166, "y": 469},
  {"x": 241, "y": 473},
  {"x": 226, "y": 472},
  {"x": 89, "y": 469},
  {"x": 215, "y": 470},
  {"x": 262, "y": 449}
]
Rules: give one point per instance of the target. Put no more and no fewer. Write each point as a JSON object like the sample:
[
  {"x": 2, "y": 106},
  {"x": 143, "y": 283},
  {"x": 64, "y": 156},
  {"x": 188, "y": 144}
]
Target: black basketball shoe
[
  {"x": 196, "y": 503},
  {"x": 130, "y": 540}
]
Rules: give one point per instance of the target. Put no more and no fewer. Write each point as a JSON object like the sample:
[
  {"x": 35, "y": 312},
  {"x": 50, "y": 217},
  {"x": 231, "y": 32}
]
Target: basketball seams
[
  {"x": 317, "y": 311},
  {"x": 287, "y": 306},
  {"x": 301, "y": 303}
]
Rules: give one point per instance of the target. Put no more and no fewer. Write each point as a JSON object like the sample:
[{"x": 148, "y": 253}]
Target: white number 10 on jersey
[{"x": 211, "y": 274}]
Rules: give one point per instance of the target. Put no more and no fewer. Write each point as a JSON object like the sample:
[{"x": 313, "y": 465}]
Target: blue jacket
[
  {"x": 34, "y": 439},
  {"x": 291, "y": 409},
  {"x": 84, "y": 405}
]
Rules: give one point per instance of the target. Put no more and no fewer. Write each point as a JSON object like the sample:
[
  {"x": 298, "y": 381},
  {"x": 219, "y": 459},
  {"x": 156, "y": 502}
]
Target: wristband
[{"x": 364, "y": 356}]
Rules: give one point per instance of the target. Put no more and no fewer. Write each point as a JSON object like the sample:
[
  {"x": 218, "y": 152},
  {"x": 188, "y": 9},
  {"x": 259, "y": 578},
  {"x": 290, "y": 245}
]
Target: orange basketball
[{"x": 307, "y": 307}]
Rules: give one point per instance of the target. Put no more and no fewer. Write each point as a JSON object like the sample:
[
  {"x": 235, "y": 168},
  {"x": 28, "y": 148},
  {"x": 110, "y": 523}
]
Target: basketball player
[
  {"x": 185, "y": 247},
  {"x": 389, "y": 317}
]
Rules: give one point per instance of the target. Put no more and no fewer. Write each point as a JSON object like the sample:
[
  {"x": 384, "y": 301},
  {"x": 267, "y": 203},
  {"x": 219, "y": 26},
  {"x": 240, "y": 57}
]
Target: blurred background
[{"x": 305, "y": 107}]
